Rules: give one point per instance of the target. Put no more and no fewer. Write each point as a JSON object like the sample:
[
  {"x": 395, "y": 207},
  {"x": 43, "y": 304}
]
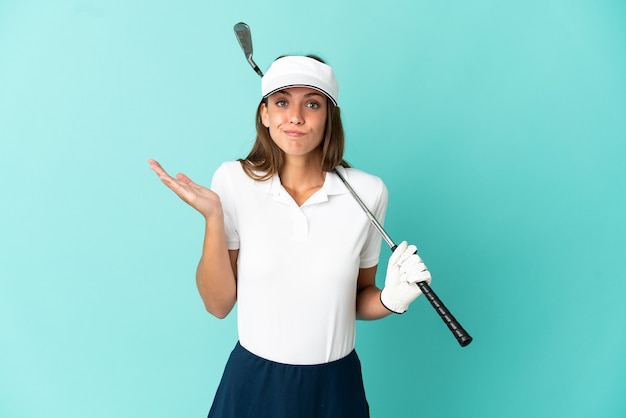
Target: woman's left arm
[{"x": 368, "y": 304}]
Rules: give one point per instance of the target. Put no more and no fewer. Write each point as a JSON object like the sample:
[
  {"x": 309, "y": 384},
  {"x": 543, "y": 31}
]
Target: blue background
[{"x": 498, "y": 127}]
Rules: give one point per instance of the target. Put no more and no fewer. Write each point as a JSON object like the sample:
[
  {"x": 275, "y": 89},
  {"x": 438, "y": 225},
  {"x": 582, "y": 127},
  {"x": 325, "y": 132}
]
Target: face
[{"x": 296, "y": 118}]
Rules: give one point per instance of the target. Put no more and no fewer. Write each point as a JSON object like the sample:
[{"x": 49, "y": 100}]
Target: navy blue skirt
[{"x": 253, "y": 387}]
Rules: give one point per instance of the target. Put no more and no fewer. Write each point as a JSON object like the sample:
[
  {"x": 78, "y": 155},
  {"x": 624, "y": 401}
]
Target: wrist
[
  {"x": 214, "y": 218},
  {"x": 391, "y": 305}
]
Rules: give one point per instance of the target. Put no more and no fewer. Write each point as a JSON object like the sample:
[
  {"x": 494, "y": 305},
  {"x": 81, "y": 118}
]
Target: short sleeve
[
  {"x": 371, "y": 249},
  {"x": 223, "y": 185}
]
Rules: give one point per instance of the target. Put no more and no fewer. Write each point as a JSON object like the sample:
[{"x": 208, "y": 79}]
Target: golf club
[
  {"x": 242, "y": 31},
  {"x": 457, "y": 330}
]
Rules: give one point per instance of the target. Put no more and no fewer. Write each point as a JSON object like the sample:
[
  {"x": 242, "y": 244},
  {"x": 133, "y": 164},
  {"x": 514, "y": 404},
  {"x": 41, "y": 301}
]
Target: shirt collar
[{"x": 332, "y": 186}]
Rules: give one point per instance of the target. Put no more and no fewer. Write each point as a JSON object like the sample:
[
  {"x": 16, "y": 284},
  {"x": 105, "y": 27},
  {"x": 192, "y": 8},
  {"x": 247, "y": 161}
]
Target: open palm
[{"x": 199, "y": 197}]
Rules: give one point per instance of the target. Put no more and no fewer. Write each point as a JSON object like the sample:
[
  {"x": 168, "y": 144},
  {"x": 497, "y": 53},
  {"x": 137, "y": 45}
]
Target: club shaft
[
  {"x": 369, "y": 214},
  {"x": 457, "y": 330},
  {"x": 254, "y": 66}
]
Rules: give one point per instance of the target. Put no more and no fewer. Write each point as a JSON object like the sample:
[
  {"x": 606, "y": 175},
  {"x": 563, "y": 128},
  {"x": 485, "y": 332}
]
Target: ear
[{"x": 265, "y": 120}]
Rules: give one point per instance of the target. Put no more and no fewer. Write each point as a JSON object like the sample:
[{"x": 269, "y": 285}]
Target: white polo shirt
[{"x": 298, "y": 265}]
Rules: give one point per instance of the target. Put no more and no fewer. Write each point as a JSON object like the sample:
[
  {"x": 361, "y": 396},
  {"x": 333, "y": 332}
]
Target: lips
[{"x": 294, "y": 134}]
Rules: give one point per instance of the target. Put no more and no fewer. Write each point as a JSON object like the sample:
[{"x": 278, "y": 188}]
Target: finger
[
  {"x": 413, "y": 265},
  {"x": 410, "y": 268},
  {"x": 182, "y": 177},
  {"x": 171, "y": 182},
  {"x": 422, "y": 276},
  {"x": 156, "y": 167},
  {"x": 398, "y": 252},
  {"x": 180, "y": 189},
  {"x": 409, "y": 252},
  {"x": 425, "y": 276},
  {"x": 154, "y": 164}
]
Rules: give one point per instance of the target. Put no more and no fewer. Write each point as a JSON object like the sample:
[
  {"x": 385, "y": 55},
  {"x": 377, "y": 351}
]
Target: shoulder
[
  {"x": 229, "y": 175},
  {"x": 369, "y": 187},
  {"x": 361, "y": 179},
  {"x": 361, "y": 176},
  {"x": 235, "y": 169},
  {"x": 230, "y": 167},
  {"x": 230, "y": 170}
]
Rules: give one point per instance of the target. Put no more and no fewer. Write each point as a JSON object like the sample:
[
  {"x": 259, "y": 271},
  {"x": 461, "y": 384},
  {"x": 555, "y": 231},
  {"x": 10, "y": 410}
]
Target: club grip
[{"x": 457, "y": 330}]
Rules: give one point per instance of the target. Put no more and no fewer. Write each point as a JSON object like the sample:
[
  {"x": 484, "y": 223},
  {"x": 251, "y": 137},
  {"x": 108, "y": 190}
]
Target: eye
[
  {"x": 313, "y": 105},
  {"x": 280, "y": 103}
]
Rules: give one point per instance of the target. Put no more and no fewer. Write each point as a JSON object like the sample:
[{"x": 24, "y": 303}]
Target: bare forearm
[
  {"x": 368, "y": 305},
  {"x": 215, "y": 276}
]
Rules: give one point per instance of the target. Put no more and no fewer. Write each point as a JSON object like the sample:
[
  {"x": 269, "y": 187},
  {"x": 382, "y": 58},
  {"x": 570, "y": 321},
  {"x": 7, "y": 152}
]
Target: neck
[{"x": 301, "y": 178}]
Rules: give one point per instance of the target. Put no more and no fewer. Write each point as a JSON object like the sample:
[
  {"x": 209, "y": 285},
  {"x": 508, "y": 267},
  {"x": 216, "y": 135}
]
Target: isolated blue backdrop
[{"x": 498, "y": 126}]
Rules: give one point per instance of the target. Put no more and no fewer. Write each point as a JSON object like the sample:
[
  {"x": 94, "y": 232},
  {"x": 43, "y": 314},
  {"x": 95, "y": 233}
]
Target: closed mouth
[{"x": 293, "y": 133}]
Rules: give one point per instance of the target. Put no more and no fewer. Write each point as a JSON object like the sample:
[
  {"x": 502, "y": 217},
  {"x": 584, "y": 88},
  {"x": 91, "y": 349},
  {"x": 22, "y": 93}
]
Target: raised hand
[{"x": 199, "y": 197}]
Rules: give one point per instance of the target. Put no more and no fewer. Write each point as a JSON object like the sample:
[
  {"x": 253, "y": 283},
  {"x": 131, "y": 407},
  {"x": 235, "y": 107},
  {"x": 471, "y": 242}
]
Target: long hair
[{"x": 266, "y": 159}]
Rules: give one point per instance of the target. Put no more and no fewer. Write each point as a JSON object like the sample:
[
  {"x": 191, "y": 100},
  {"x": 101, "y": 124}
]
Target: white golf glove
[{"x": 404, "y": 270}]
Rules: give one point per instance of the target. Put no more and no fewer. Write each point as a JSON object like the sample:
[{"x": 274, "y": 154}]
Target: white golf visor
[{"x": 300, "y": 71}]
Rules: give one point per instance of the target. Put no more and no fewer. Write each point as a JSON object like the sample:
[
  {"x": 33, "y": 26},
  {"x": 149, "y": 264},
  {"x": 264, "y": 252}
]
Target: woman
[{"x": 286, "y": 240}]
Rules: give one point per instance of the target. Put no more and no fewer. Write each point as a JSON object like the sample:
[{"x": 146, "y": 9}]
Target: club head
[{"x": 242, "y": 32}]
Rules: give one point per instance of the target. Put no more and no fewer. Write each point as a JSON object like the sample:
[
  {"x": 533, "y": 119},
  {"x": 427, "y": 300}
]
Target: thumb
[
  {"x": 182, "y": 177},
  {"x": 397, "y": 253}
]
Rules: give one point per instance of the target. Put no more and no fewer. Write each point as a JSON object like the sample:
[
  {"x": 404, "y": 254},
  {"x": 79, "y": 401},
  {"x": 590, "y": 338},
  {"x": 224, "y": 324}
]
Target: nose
[{"x": 295, "y": 116}]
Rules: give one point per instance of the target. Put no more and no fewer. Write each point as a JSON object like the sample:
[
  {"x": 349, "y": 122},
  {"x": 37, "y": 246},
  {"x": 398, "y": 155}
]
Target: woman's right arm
[{"x": 217, "y": 270}]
